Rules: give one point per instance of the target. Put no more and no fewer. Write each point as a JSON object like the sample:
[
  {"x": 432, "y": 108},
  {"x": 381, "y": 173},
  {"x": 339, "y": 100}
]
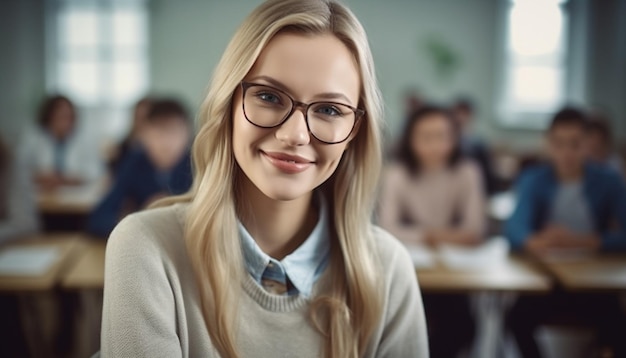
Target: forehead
[
  {"x": 566, "y": 131},
  {"x": 309, "y": 65},
  {"x": 432, "y": 122}
]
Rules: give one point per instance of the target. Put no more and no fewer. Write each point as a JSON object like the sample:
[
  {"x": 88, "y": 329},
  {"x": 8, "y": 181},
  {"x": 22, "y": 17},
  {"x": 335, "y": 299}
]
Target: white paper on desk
[
  {"x": 27, "y": 261},
  {"x": 486, "y": 256},
  {"x": 422, "y": 256}
]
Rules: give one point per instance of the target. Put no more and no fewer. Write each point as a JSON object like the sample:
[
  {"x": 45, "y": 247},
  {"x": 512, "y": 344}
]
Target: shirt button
[{"x": 270, "y": 265}]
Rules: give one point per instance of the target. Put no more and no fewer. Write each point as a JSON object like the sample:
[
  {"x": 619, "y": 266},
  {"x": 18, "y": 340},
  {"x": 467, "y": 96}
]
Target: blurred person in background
[
  {"x": 161, "y": 168},
  {"x": 18, "y": 214},
  {"x": 472, "y": 145},
  {"x": 132, "y": 142},
  {"x": 54, "y": 151},
  {"x": 568, "y": 204},
  {"x": 600, "y": 144},
  {"x": 432, "y": 195}
]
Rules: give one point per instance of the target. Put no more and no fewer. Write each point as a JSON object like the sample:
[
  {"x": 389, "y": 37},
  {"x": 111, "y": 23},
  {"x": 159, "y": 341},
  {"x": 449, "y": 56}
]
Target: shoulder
[
  {"x": 467, "y": 168},
  {"x": 149, "y": 235},
  {"x": 396, "y": 172},
  {"x": 603, "y": 175},
  {"x": 393, "y": 255},
  {"x": 537, "y": 174}
]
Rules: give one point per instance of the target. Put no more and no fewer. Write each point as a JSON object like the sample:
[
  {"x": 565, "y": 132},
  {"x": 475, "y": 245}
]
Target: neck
[
  {"x": 433, "y": 168},
  {"x": 278, "y": 227},
  {"x": 567, "y": 175}
]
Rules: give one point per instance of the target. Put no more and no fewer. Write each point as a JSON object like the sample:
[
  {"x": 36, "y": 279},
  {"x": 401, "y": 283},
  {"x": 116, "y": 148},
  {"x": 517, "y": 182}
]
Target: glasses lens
[
  {"x": 331, "y": 122},
  {"x": 265, "y": 106}
]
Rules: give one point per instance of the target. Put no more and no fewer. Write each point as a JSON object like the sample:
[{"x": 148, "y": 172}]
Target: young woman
[
  {"x": 55, "y": 153},
  {"x": 272, "y": 252},
  {"x": 430, "y": 194}
]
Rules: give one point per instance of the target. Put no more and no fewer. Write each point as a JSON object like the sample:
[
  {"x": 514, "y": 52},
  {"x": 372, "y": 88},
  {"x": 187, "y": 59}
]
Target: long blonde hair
[{"x": 348, "y": 313}]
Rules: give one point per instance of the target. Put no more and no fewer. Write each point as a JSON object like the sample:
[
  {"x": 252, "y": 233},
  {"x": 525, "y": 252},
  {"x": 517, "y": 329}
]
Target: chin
[{"x": 278, "y": 192}]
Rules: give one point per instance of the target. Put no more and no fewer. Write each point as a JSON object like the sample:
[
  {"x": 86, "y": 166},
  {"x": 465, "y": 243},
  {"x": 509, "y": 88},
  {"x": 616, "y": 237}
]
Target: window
[
  {"x": 99, "y": 57},
  {"x": 534, "y": 62}
]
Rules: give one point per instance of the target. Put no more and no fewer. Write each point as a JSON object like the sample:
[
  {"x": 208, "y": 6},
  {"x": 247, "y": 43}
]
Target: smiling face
[
  {"x": 286, "y": 162},
  {"x": 433, "y": 141}
]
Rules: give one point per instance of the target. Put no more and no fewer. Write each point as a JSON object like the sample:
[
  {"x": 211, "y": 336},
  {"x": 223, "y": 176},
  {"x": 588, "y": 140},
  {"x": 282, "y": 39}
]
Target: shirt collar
[{"x": 303, "y": 266}]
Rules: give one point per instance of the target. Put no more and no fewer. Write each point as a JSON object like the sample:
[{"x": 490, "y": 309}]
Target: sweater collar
[{"x": 303, "y": 266}]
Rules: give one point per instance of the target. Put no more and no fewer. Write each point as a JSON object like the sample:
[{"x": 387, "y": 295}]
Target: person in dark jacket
[{"x": 161, "y": 168}]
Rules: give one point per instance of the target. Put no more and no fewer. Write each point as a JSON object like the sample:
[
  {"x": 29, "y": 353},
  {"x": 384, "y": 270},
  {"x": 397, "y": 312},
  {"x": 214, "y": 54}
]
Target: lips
[{"x": 288, "y": 163}]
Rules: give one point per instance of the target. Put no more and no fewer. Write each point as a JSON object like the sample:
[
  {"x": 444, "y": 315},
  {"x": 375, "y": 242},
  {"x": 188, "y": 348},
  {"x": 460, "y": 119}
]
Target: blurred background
[
  {"x": 98, "y": 100},
  {"x": 517, "y": 63}
]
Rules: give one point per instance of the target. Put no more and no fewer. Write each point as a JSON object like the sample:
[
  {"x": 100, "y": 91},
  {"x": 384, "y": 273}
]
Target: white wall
[
  {"x": 22, "y": 65},
  {"x": 188, "y": 37}
]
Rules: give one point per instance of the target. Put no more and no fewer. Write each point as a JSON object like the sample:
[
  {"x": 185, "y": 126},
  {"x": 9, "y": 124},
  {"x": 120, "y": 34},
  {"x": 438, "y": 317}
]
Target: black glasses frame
[{"x": 358, "y": 113}]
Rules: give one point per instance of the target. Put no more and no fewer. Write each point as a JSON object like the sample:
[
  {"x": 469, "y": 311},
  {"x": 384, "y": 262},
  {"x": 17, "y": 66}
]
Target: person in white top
[
  {"x": 55, "y": 152},
  {"x": 272, "y": 253}
]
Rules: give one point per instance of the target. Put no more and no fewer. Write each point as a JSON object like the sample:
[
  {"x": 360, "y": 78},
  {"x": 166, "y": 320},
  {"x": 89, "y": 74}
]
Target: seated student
[
  {"x": 132, "y": 142},
  {"x": 18, "y": 215},
  {"x": 56, "y": 153},
  {"x": 568, "y": 204},
  {"x": 432, "y": 195},
  {"x": 473, "y": 146},
  {"x": 600, "y": 144},
  {"x": 162, "y": 169}
]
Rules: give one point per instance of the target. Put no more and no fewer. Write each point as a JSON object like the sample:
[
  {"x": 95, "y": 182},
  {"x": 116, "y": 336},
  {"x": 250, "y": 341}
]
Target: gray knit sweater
[{"x": 152, "y": 305}]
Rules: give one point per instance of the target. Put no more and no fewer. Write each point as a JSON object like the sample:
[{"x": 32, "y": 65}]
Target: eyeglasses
[{"x": 268, "y": 107}]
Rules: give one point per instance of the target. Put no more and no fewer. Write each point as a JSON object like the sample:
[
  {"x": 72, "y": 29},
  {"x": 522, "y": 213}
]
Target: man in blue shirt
[
  {"x": 162, "y": 167},
  {"x": 568, "y": 204}
]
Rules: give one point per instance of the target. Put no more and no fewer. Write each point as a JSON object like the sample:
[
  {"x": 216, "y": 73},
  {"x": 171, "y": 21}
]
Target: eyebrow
[{"x": 280, "y": 85}]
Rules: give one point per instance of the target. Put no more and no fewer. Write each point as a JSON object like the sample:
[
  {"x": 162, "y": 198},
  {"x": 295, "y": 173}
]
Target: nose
[{"x": 294, "y": 131}]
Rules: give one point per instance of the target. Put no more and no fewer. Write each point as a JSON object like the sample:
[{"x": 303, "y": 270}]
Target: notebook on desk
[{"x": 27, "y": 261}]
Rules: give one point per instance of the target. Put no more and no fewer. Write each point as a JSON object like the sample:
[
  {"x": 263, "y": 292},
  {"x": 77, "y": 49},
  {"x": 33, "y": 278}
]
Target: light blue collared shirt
[{"x": 302, "y": 267}]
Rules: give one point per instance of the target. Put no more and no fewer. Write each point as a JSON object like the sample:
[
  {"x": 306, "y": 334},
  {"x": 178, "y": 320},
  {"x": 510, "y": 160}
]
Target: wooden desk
[
  {"x": 88, "y": 271},
  {"x": 515, "y": 274},
  {"x": 68, "y": 246},
  {"x": 600, "y": 273},
  {"x": 71, "y": 200}
]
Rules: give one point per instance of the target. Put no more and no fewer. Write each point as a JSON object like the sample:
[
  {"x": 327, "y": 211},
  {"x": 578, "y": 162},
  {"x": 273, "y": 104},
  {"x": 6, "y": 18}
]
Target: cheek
[{"x": 329, "y": 158}]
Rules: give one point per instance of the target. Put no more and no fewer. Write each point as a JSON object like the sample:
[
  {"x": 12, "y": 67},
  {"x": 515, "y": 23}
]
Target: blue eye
[
  {"x": 329, "y": 110},
  {"x": 269, "y": 97}
]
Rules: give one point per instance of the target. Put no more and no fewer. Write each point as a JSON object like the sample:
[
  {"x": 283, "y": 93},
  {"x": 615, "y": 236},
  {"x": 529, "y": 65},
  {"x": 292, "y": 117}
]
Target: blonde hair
[{"x": 347, "y": 314}]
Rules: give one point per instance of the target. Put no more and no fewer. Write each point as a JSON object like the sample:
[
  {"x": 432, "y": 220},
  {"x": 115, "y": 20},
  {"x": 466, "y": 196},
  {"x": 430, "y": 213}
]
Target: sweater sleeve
[
  {"x": 404, "y": 333},
  {"x": 139, "y": 318},
  {"x": 473, "y": 206},
  {"x": 389, "y": 210}
]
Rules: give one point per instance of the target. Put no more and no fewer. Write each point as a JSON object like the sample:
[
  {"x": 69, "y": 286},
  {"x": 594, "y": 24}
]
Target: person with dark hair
[
  {"x": 161, "y": 168},
  {"x": 132, "y": 142},
  {"x": 18, "y": 215},
  {"x": 473, "y": 146},
  {"x": 55, "y": 152},
  {"x": 600, "y": 144},
  {"x": 432, "y": 195},
  {"x": 568, "y": 204}
]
